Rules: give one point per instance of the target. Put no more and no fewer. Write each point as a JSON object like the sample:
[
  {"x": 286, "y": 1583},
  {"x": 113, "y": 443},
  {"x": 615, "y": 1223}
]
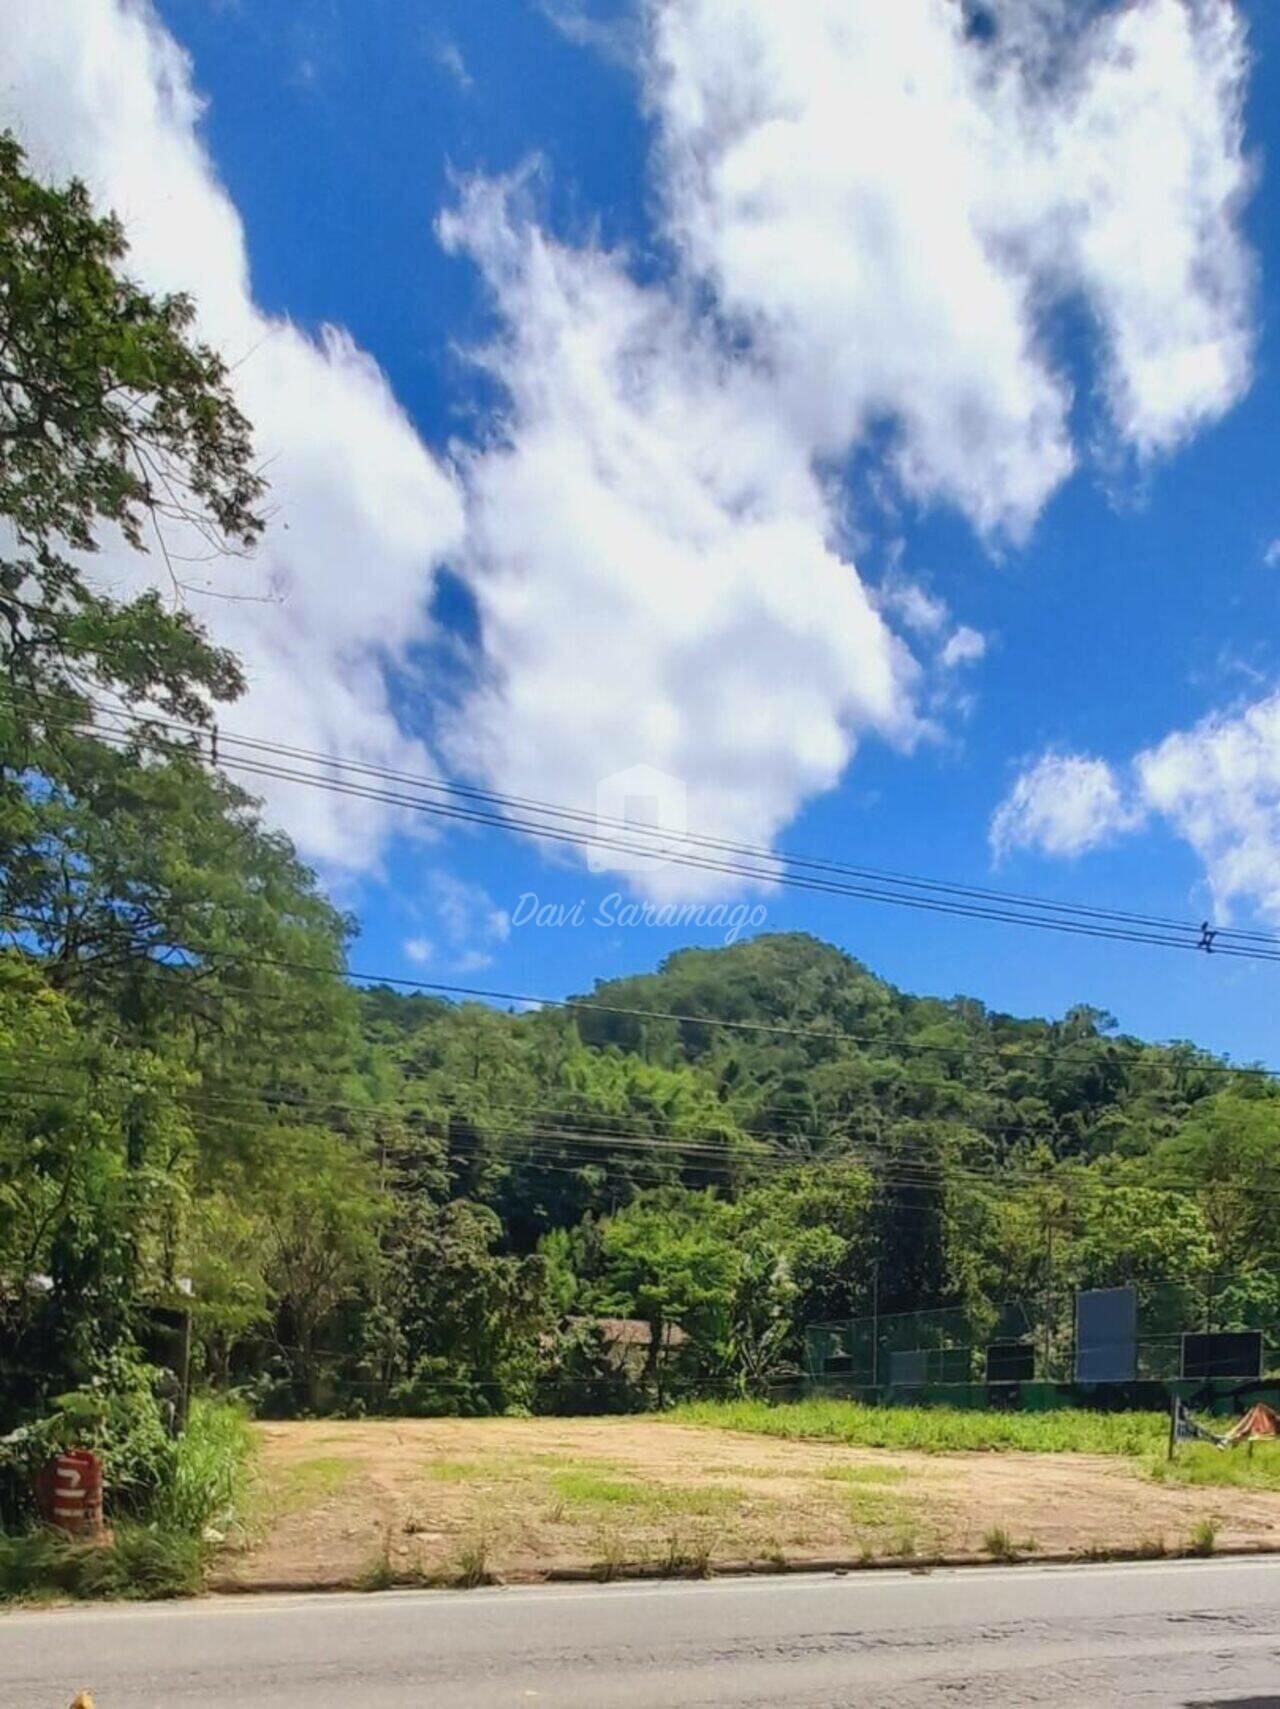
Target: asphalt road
[{"x": 1194, "y": 1634}]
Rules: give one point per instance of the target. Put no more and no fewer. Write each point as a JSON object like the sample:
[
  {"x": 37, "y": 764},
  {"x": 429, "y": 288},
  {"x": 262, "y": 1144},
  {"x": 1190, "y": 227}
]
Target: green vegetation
[
  {"x": 197, "y": 1500},
  {"x": 935, "y": 1430},
  {"x": 1197, "y": 1463},
  {"x": 308, "y": 1482},
  {"x": 207, "y": 1484},
  {"x": 582, "y": 1486},
  {"x": 1204, "y": 1538}
]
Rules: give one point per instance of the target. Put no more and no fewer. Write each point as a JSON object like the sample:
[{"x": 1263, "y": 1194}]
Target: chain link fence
[{"x": 1034, "y": 1339}]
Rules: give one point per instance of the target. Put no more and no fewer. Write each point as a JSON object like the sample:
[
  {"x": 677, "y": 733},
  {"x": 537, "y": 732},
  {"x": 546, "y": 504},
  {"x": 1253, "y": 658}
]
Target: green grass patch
[
  {"x": 836, "y": 1473},
  {"x": 455, "y": 1471},
  {"x": 581, "y": 1486},
  {"x": 934, "y": 1430},
  {"x": 1201, "y": 1463},
  {"x": 872, "y": 1508},
  {"x": 308, "y": 1482}
]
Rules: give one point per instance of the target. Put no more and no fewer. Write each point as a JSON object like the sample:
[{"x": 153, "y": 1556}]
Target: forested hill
[{"x": 732, "y": 1142}]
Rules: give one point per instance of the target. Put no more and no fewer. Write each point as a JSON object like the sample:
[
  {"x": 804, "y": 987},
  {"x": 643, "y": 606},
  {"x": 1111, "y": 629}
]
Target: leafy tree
[
  {"x": 110, "y": 416},
  {"x": 669, "y": 1259}
]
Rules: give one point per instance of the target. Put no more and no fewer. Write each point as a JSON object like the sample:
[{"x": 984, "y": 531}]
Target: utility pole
[{"x": 875, "y": 1323}]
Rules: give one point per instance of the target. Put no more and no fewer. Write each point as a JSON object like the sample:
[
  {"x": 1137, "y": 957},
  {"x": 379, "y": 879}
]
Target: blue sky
[{"x": 880, "y": 426}]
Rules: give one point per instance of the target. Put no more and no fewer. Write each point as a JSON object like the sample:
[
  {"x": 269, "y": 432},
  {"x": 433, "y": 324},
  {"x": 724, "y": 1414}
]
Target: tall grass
[
  {"x": 205, "y": 1485},
  {"x": 935, "y": 1429},
  {"x": 163, "y": 1551},
  {"x": 1200, "y": 1463}
]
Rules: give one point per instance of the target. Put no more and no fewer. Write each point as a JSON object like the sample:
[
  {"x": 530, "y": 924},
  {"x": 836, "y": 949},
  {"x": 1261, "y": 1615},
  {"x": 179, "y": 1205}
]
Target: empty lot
[{"x": 456, "y": 1501}]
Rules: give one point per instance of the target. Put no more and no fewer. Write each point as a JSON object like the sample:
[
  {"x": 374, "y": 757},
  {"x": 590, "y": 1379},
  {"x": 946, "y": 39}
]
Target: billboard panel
[
  {"x": 1222, "y": 1353},
  {"x": 1107, "y": 1335}
]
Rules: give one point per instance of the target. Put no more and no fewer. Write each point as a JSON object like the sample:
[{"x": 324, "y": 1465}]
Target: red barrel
[{"x": 69, "y": 1493}]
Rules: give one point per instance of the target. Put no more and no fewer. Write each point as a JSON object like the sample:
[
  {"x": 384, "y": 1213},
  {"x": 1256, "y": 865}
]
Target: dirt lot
[{"x": 459, "y": 1500}]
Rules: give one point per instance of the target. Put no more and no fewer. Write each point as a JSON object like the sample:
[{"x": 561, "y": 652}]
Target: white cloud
[
  {"x": 418, "y": 950},
  {"x": 881, "y": 213},
  {"x": 889, "y": 206},
  {"x": 653, "y": 558},
  {"x": 448, "y": 56},
  {"x": 470, "y": 921},
  {"x": 1064, "y": 804},
  {"x": 361, "y": 512},
  {"x": 964, "y": 646},
  {"x": 616, "y": 38},
  {"x": 1218, "y": 785},
  {"x": 1271, "y": 557},
  {"x": 912, "y": 605}
]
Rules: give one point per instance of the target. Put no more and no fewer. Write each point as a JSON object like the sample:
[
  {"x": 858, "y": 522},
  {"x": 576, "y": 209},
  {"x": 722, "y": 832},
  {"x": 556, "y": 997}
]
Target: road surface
[{"x": 1179, "y": 1633}]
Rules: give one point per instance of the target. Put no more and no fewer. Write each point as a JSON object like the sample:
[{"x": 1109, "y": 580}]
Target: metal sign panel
[
  {"x": 909, "y": 1369},
  {"x": 1107, "y": 1335},
  {"x": 1011, "y": 1362},
  {"x": 1222, "y": 1353}
]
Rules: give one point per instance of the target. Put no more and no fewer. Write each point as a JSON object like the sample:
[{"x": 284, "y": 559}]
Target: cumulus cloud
[
  {"x": 1064, "y": 804},
  {"x": 361, "y": 512},
  {"x": 653, "y": 557},
  {"x": 875, "y": 212},
  {"x": 889, "y": 202},
  {"x": 1216, "y": 786}
]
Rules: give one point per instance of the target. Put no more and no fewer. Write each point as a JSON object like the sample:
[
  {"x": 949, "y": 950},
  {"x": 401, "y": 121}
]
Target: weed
[
  {"x": 1204, "y": 1538},
  {"x": 689, "y": 1558},
  {"x": 452, "y": 1471},
  {"x": 999, "y": 1544},
  {"x": 838, "y": 1472},
  {"x": 379, "y": 1574},
  {"x": 140, "y": 1561},
  {"x": 591, "y": 1489},
  {"x": 471, "y": 1563},
  {"x": 581, "y": 1486},
  {"x": 1152, "y": 1548},
  {"x": 612, "y": 1554},
  {"x": 1201, "y": 1464},
  {"x": 205, "y": 1485}
]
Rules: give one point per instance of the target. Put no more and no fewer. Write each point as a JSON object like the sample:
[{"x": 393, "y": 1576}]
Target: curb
[{"x": 838, "y": 1566}]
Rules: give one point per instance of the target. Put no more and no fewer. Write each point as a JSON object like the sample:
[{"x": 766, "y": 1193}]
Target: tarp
[{"x": 1257, "y": 1424}]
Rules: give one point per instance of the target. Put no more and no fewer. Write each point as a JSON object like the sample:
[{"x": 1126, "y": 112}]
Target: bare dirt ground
[{"x": 461, "y": 1500}]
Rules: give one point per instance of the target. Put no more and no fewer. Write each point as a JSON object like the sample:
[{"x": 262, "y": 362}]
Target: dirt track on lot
[{"x": 448, "y": 1500}]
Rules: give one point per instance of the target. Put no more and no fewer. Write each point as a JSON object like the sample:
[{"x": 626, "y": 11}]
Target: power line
[
  {"x": 573, "y": 826},
  {"x": 883, "y": 1158}
]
